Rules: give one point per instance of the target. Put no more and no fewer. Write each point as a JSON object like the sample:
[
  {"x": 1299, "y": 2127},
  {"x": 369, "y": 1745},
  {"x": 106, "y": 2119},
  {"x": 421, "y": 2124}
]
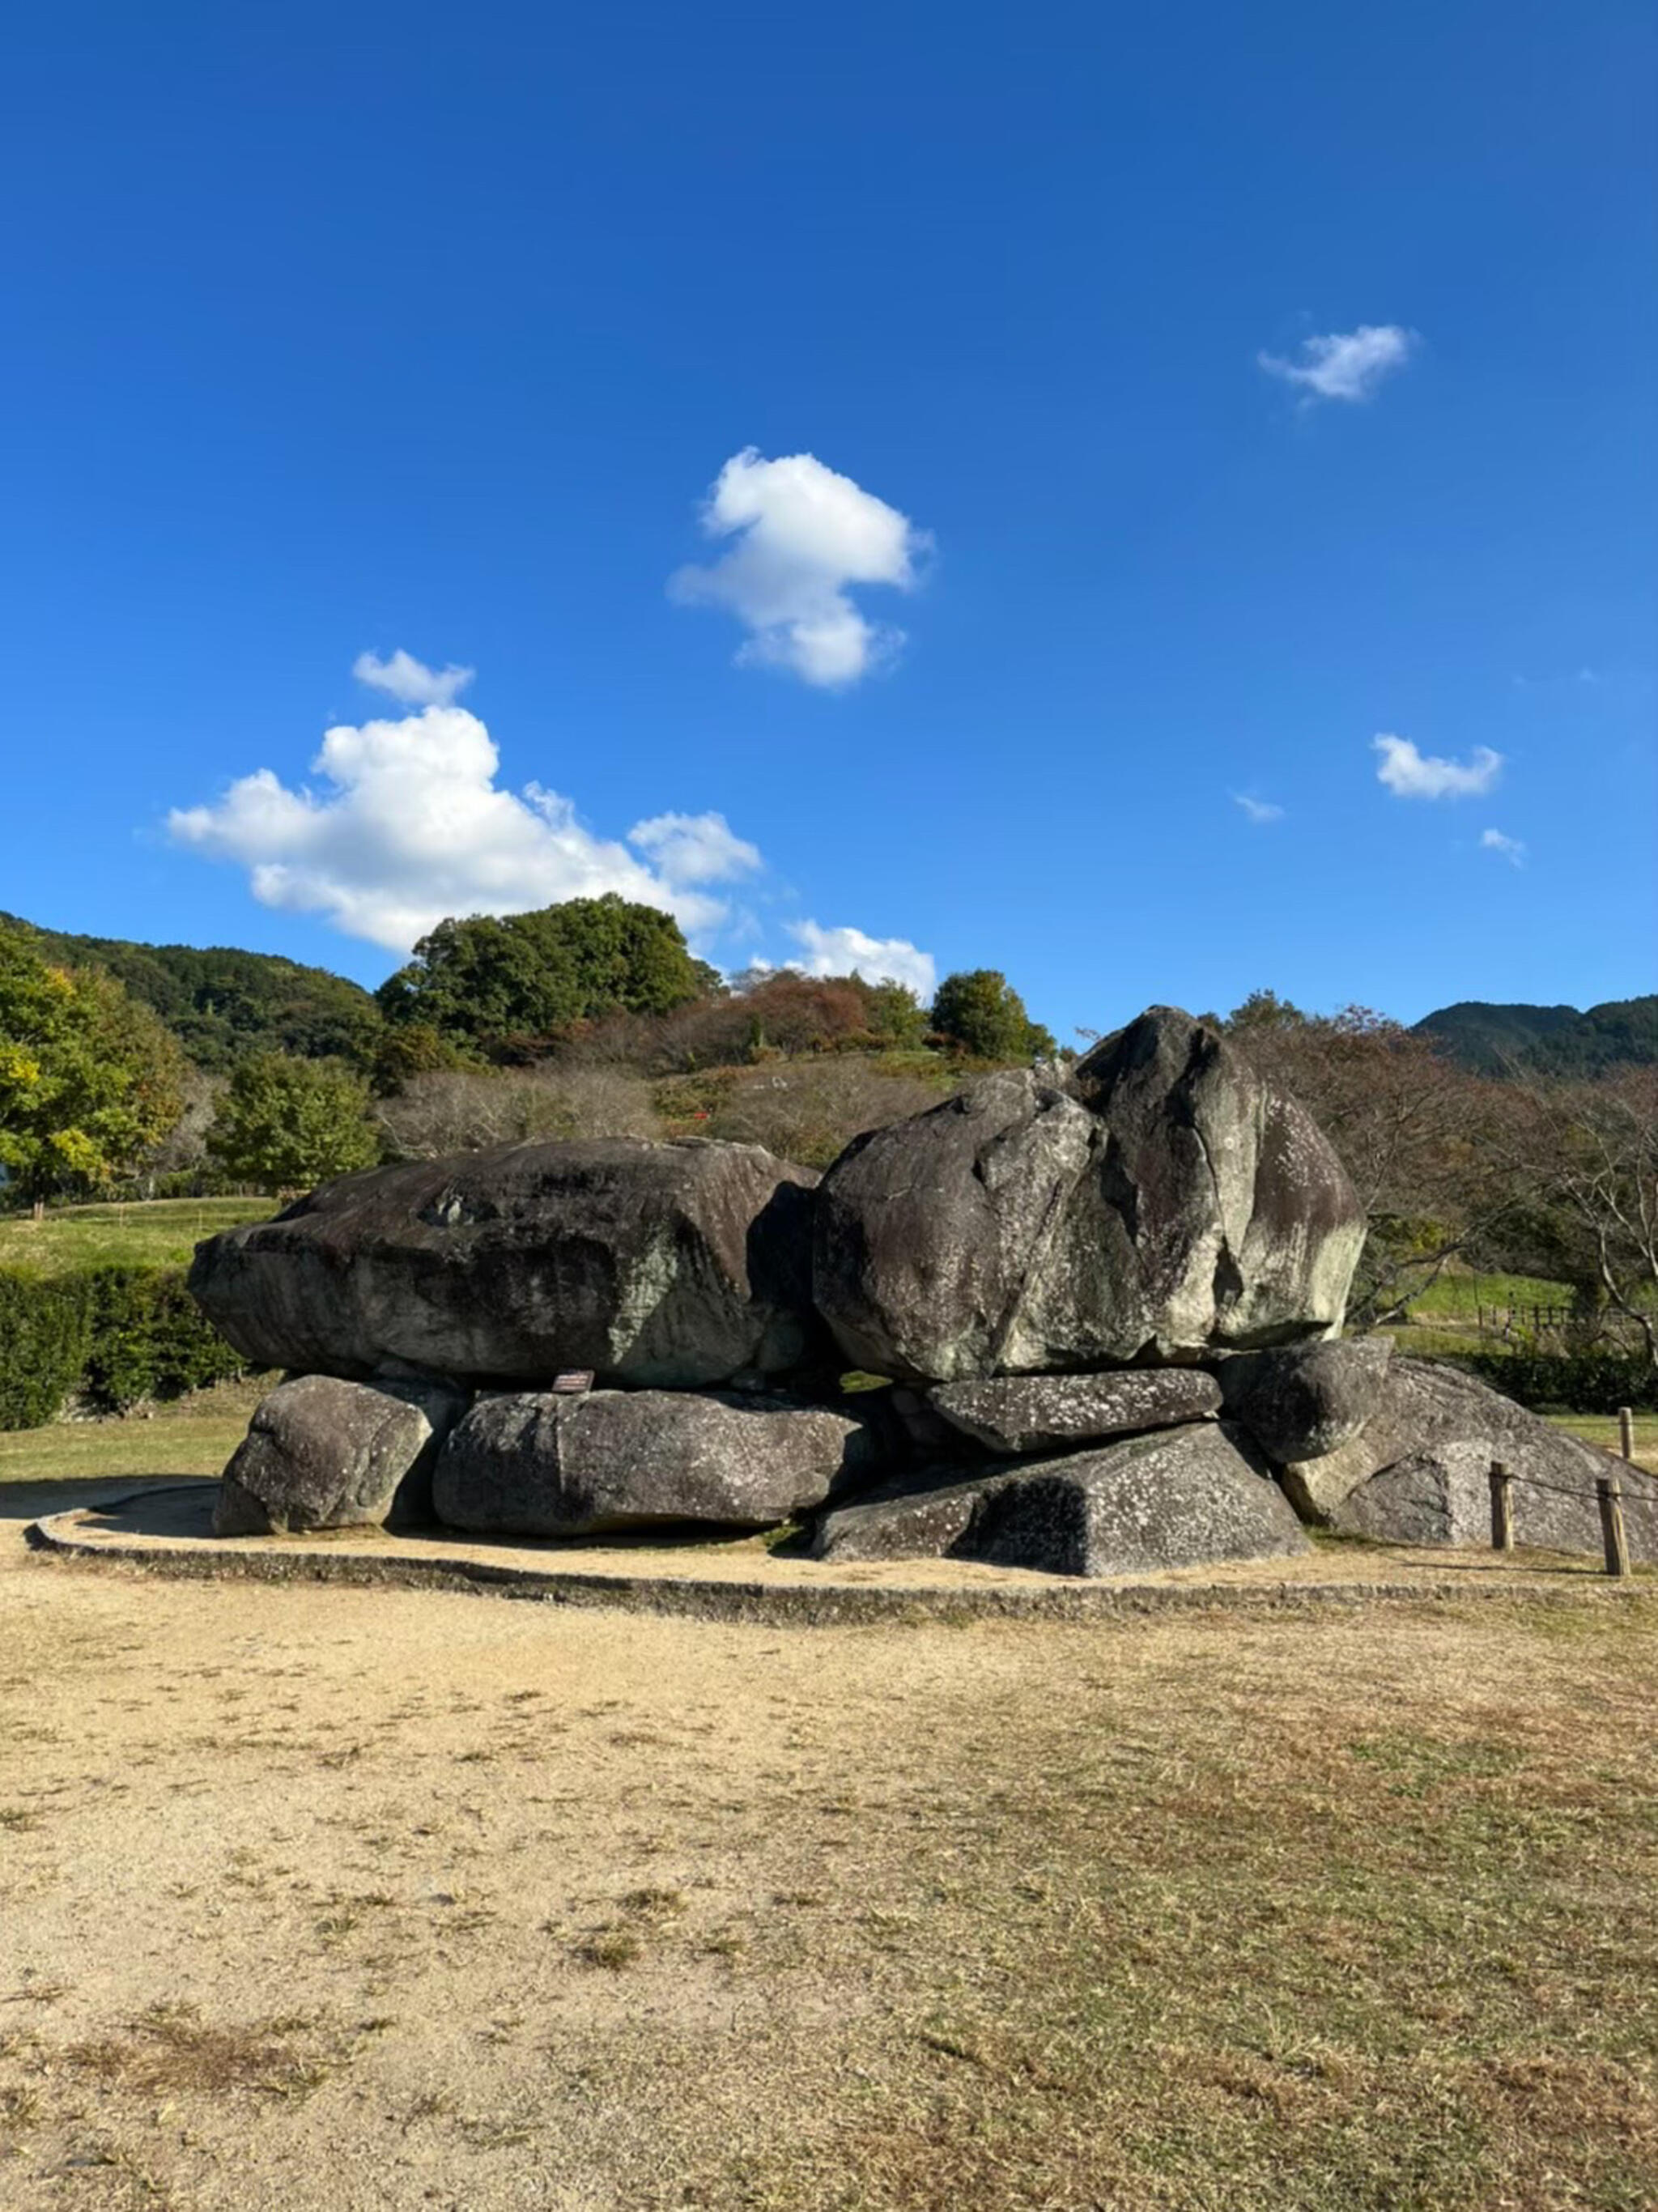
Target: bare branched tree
[
  {"x": 1589, "y": 1152},
  {"x": 466, "y": 1110},
  {"x": 1414, "y": 1132},
  {"x": 810, "y": 1110}
]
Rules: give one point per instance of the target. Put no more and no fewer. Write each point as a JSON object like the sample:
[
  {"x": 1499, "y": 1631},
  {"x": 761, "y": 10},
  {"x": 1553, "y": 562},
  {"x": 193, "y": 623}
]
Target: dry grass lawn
[{"x": 327, "y": 1898}]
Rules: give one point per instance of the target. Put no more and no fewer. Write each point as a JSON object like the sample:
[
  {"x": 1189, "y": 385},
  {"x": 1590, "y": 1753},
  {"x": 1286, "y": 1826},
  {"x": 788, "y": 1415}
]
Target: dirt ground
[{"x": 327, "y": 1897}]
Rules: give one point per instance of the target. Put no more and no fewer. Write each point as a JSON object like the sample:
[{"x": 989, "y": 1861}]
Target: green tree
[
  {"x": 89, "y": 1078},
  {"x": 1264, "y": 1010},
  {"x": 289, "y": 1123},
  {"x": 980, "y": 1013},
  {"x": 895, "y": 1014},
  {"x": 409, "y": 1049},
  {"x": 533, "y": 975}
]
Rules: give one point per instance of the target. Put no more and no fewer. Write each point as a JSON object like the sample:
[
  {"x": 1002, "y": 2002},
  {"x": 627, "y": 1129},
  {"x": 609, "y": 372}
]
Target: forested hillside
[
  {"x": 1493, "y": 1040},
  {"x": 222, "y": 1004}
]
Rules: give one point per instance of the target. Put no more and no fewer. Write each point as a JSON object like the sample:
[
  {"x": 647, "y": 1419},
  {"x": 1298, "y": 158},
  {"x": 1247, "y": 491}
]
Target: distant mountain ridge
[
  {"x": 223, "y": 1003},
  {"x": 1490, "y": 1040}
]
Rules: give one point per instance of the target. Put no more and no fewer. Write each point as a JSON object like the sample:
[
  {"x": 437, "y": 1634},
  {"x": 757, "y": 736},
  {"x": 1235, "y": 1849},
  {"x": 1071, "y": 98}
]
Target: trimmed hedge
[
  {"x": 1568, "y": 1381},
  {"x": 45, "y": 1335},
  {"x": 110, "y": 1335}
]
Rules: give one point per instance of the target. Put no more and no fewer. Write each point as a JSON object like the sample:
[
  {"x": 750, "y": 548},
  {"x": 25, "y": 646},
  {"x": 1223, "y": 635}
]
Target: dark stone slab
[
  {"x": 921, "y": 1516},
  {"x": 1176, "y": 1498},
  {"x": 1183, "y": 1497},
  {"x": 1016, "y": 1414},
  {"x": 533, "y": 1464}
]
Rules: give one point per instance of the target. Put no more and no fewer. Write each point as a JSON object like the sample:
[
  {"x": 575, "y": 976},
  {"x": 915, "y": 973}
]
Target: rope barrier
[
  {"x": 1608, "y": 1499},
  {"x": 1588, "y": 1497}
]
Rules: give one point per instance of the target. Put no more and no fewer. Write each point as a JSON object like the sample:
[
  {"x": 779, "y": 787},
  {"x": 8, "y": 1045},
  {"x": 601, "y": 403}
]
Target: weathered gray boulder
[
  {"x": 1442, "y": 1495},
  {"x": 1044, "y": 1412},
  {"x": 920, "y": 1516},
  {"x": 1306, "y": 1400},
  {"x": 530, "y": 1463},
  {"x": 672, "y": 1265},
  {"x": 323, "y": 1454},
  {"x": 1421, "y": 1405},
  {"x": 1166, "y": 1202},
  {"x": 1181, "y": 1498}
]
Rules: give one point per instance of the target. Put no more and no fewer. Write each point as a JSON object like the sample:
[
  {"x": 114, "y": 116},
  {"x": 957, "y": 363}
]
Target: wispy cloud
[
  {"x": 410, "y": 824},
  {"x": 801, "y": 534},
  {"x": 1345, "y": 364},
  {"x": 1512, "y": 848},
  {"x": 846, "y": 951},
  {"x": 1409, "y": 773},
  {"x": 411, "y": 681},
  {"x": 1257, "y": 809}
]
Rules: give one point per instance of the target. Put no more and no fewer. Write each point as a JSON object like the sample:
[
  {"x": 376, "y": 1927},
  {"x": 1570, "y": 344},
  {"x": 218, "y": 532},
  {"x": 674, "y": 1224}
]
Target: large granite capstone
[
  {"x": 1163, "y": 1202},
  {"x": 671, "y": 1265}
]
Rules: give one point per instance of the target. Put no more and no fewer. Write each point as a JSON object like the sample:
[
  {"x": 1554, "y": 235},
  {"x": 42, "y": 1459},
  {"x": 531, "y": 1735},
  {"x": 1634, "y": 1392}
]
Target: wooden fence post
[
  {"x": 1626, "y": 1432},
  {"x": 1612, "y": 1524},
  {"x": 1502, "y": 1508}
]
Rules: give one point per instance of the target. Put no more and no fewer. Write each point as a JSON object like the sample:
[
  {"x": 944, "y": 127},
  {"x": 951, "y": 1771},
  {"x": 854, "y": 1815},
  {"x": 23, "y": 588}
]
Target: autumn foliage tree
[{"x": 89, "y": 1078}]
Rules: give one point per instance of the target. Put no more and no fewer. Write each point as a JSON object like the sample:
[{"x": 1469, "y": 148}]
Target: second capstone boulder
[{"x": 1161, "y": 1203}]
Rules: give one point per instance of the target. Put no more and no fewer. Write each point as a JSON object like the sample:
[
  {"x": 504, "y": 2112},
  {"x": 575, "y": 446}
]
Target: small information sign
[{"x": 574, "y": 1382}]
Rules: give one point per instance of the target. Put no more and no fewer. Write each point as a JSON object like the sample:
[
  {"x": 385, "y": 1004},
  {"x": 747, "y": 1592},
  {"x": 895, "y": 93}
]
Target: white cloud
[
  {"x": 410, "y": 680},
  {"x": 800, "y": 535},
  {"x": 1411, "y": 775},
  {"x": 878, "y": 959},
  {"x": 694, "y": 848},
  {"x": 1512, "y": 848},
  {"x": 1345, "y": 364},
  {"x": 1257, "y": 809},
  {"x": 410, "y": 825}
]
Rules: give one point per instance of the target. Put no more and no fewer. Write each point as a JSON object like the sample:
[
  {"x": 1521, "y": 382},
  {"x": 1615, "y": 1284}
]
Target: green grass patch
[
  {"x": 1458, "y": 1297},
  {"x": 196, "y": 1436},
  {"x": 1443, "y": 1343},
  {"x": 161, "y": 1232},
  {"x": 1602, "y": 1428}
]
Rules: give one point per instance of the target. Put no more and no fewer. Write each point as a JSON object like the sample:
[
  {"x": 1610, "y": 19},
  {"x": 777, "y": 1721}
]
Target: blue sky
[{"x": 346, "y": 331}]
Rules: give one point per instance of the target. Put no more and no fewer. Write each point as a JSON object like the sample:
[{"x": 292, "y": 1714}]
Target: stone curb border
[{"x": 780, "y": 1605}]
